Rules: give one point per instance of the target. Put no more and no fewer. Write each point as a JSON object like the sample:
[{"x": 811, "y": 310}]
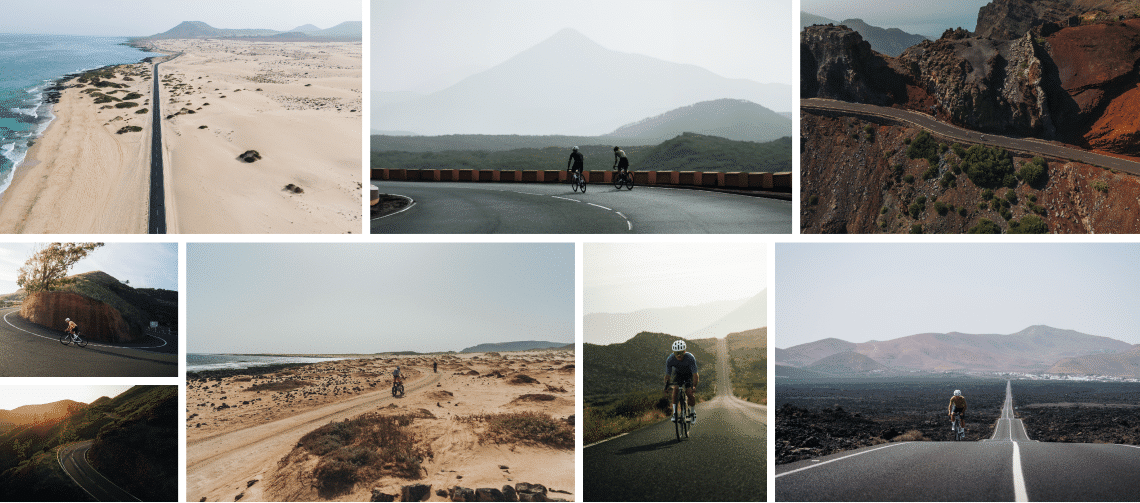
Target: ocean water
[
  {"x": 199, "y": 362},
  {"x": 29, "y": 64}
]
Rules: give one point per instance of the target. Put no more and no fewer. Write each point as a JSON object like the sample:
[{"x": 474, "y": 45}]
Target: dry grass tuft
[{"x": 529, "y": 428}]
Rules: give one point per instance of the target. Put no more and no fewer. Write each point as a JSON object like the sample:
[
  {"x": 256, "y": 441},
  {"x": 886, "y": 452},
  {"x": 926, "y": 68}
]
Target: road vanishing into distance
[
  {"x": 30, "y": 350},
  {"x": 929, "y": 123},
  {"x": 515, "y": 208},
  {"x": 1007, "y": 467},
  {"x": 157, "y": 220},
  {"x": 724, "y": 458},
  {"x": 73, "y": 459}
]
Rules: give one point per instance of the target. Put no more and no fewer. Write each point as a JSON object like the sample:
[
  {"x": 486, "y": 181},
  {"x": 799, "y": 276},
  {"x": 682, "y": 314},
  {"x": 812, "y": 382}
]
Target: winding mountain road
[
  {"x": 725, "y": 458},
  {"x": 512, "y": 208},
  {"x": 1006, "y": 467},
  {"x": 73, "y": 459},
  {"x": 30, "y": 350},
  {"x": 929, "y": 123}
]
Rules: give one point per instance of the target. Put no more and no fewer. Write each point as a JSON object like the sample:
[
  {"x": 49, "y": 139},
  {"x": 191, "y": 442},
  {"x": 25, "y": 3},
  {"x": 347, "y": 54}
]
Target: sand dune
[{"x": 252, "y": 437}]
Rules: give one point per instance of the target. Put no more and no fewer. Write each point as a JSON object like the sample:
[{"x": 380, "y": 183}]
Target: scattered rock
[
  {"x": 294, "y": 189},
  {"x": 523, "y": 379},
  {"x": 489, "y": 494},
  {"x": 250, "y": 156},
  {"x": 202, "y": 127},
  {"x": 251, "y": 483},
  {"x": 462, "y": 494},
  {"x": 415, "y": 492},
  {"x": 378, "y": 495},
  {"x": 509, "y": 494}
]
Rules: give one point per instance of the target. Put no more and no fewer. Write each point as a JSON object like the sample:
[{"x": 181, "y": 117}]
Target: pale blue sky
[
  {"x": 368, "y": 297},
  {"x": 17, "y": 396},
  {"x": 137, "y": 18},
  {"x": 861, "y": 292},
  {"x": 145, "y": 265},
  {"x": 924, "y": 17}
]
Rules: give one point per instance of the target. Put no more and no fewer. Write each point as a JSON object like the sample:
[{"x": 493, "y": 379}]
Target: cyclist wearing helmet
[
  {"x": 686, "y": 376},
  {"x": 957, "y": 406},
  {"x": 621, "y": 162},
  {"x": 577, "y": 158},
  {"x": 71, "y": 326},
  {"x": 397, "y": 376}
]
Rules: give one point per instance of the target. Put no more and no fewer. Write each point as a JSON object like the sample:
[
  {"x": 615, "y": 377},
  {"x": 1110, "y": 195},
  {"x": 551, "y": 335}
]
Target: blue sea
[
  {"x": 29, "y": 64},
  {"x": 199, "y": 362}
]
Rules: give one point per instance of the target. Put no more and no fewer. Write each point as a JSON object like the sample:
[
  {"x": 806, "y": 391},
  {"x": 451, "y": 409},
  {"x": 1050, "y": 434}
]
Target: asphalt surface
[
  {"x": 30, "y": 350},
  {"x": 157, "y": 220},
  {"x": 73, "y": 459},
  {"x": 724, "y": 459},
  {"x": 517, "y": 208},
  {"x": 1007, "y": 467}
]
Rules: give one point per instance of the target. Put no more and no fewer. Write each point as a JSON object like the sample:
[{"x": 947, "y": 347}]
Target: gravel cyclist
[
  {"x": 682, "y": 367},
  {"x": 957, "y": 407},
  {"x": 397, "y": 377}
]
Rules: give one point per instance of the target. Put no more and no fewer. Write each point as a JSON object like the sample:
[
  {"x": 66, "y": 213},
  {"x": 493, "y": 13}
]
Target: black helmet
[{"x": 616, "y": 149}]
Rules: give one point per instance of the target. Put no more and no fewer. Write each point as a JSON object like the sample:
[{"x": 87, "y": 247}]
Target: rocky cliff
[
  {"x": 1010, "y": 19},
  {"x": 97, "y": 320},
  {"x": 836, "y": 63}
]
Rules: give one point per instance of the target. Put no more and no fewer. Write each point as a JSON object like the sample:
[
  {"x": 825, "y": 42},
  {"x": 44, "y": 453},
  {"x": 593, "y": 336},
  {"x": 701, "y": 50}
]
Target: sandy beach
[
  {"x": 82, "y": 176},
  {"x": 248, "y": 448},
  {"x": 298, "y": 104}
]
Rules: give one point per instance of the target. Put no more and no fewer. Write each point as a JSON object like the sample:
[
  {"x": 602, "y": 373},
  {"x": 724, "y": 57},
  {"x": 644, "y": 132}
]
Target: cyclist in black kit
[
  {"x": 577, "y": 158},
  {"x": 681, "y": 366}
]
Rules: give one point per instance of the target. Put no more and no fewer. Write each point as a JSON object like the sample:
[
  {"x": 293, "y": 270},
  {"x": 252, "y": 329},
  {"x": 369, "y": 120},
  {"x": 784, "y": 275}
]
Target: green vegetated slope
[
  {"x": 686, "y": 152},
  {"x": 135, "y": 446},
  {"x": 139, "y": 306},
  {"x": 748, "y": 353}
]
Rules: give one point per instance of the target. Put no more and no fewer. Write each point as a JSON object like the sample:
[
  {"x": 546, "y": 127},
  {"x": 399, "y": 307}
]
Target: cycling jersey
[
  {"x": 620, "y": 159},
  {"x": 71, "y": 326},
  {"x": 577, "y": 157},
  {"x": 686, "y": 365},
  {"x": 957, "y": 404}
]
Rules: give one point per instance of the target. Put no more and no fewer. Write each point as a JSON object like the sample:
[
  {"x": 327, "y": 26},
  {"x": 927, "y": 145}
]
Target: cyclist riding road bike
[
  {"x": 577, "y": 158},
  {"x": 621, "y": 162},
  {"x": 957, "y": 406},
  {"x": 682, "y": 367},
  {"x": 71, "y": 326}
]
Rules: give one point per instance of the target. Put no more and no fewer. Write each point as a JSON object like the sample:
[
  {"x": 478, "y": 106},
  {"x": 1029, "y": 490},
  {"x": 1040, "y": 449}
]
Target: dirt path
[{"x": 220, "y": 466}]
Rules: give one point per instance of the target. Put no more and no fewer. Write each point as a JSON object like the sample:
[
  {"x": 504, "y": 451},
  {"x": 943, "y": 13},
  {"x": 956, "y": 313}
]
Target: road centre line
[
  {"x": 600, "y": 206},
  {"x": 566, "y": 199},
  {"x": 606, "y": 440},
  {"x": 778, "y": 475},
  {"x": 1018, "y": 478}
]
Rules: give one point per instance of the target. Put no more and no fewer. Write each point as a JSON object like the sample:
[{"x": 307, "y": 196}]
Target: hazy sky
[
  {"x": 147, "y": 17},
  {"x": 145, "y": 265},
  {"x": 16, "y": 396},
  {"x": 628, "y": 277},
  {"x": 862, "y": 292},
  {"x": 369, "y": 298},
  {"x": 924, "y": 17},
  {"x": 424, "y": 45}
]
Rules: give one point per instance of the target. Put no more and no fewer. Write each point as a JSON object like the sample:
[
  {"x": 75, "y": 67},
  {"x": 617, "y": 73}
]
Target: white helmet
[
  {"x": 67, "y": 319},
  {"x": 679, "y": 346},
  {"x": 957, "y": 392},
  {"x": 575, "y": 149}
]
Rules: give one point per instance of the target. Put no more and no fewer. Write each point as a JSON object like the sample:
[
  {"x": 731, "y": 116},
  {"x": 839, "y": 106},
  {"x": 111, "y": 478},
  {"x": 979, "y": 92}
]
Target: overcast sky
[
  {"x": 862, "y": 292},
  {"x": 628, "y": 277},
  {"x": 17, "y": 396},
  {"x": 924, "y": 17},
  {"x": 369, "y": 298},
  {"x": 145, "y": 265},
  {"x": 128, "y": 18},
  {"x": 425, "y": 45}
]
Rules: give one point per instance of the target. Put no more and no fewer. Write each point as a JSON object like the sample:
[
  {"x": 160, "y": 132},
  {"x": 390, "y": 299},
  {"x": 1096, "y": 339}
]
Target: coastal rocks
[
  {"x": 97, "y": 321},
  {"x": 378, "y": 495},
  {"x": 250, "y": 156},
  {"x": 415, "y": 492}
]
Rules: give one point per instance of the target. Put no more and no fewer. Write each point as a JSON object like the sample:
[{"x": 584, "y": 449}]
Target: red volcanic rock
[
  {"x": 1090, "y": 58},
  {"x": 1118, "y": 129},
  {"x": 97, "y": 321}
]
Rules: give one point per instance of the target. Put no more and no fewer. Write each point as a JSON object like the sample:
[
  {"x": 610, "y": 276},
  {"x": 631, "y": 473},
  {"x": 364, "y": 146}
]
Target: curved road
[
  {"x": 933, "y": 125},
  {"x": 1006, "y": 467},
  {"x": 73, "y": 459},
  {"x": 514, "y": 208},
  {"x": 725, "y": 458},
  {"x": 30, "y": 350},
  {"x": 157, "y": 221}
]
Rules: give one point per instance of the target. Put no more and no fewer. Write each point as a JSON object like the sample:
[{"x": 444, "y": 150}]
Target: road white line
[
  {"x": 59, "y": 457},
  {"x": 566, "y": 199},
  {"x": 630, "y": 224},
  {"x": 600, "y": 206},
  {"x": 606, "y": 440},
  {"x": 778, "y": 475},
  {"x": 1018, "y": 478},
  {"x": 406, "y": 208}
]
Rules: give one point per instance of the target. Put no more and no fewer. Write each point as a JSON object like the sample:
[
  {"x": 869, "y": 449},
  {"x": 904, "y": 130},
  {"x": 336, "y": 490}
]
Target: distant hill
[
  {"x": 306, "y": 28},
  {"x": 637, "y": 364},
  {"x": 694, "y": 152},
  {"x": 569, "y": 85},
  {"x": 789, "y": 372},
  {"x": 618, "y": 327},
  {"x": 845, "y": 364},
  {"x": 749, "y": 316},
  {"x": 804, "y": 354},
  {"x": 889, "y": 41},
  {"x": 732, "y": 119},
  {"x": 1123, "y": 364},
  {"x": 199, "y": 29},
  {"x": 40, "y": 414},
  {"x": 513, "y": 346}
]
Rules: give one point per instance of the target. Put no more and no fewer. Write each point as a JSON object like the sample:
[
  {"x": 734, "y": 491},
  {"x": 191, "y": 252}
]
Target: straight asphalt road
[
  {"x": 157, "y": 220},
  {"x": 517, "y": 208},
  {"x": 1006, "y": 467},
  {"x": 724, "y": 459},
  {"x": 30, "y": 350},
  {"x": 73, "y": 459},
  {"x": 929, "y": 123}
]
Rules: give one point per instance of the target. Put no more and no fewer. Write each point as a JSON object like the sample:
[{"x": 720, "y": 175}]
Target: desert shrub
[
  {"x": 1029, "y": 224},
  {"x": 126, "y": 104},
  {"x": 941, "y": 208},
  {"x": 948, "y": 180},
  {"x": 987, "y": 195},
  {"x": 363, "y": 448},
  {"x": 883, "y": 210},
  {"x": 286, "y": 385},
  {"x": 1006, "y": 214},
  {"x": 529, "y": 428},
  {"x": 142, "y": 111},
  {"x": 916, "y": 229},
  {"x": 923, "y": 147},
  {"x": 930, "y": 173},
  {"x": 128, "y": 129},
  {"x": 910, "y": 436},
  {"x": 959, "y": 150},
  {"x": 962, "y": 211},
  {"x": 985, "y": 226},
  {"x": 1034, "y": 173},
  {"x": 916, "y": 209},
  {"x": 1100, "y": 185},
  {"x": 989, "y": 167},
  {"x": 888, "y": 154},
  {"x": 1011, "y": 197},
  {"x": 908, "y": 178},
  {"x": 132, "y": 96}
]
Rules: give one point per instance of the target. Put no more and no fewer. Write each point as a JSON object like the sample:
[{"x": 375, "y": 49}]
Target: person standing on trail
[{"x": 435, "y": 366}]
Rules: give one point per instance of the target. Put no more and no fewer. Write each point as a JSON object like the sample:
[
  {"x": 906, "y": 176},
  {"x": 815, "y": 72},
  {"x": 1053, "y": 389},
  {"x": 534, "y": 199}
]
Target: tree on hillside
[{"x": 47, "y": 267}]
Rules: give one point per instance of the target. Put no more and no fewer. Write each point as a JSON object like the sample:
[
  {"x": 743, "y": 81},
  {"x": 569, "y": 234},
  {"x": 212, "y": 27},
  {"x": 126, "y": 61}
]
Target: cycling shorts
[
  {"x": 623, "y": 163},
  {"x": 683, "y": 380}
]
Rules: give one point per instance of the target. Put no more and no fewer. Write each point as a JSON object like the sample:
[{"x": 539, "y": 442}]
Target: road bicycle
[
  {"x": 398, "y": 389},
  {"x": 956, "y": 425},
  {"x": 680, "y": 417},
  {"x": 623, "y": 177},
  {"x": 66, "y": 339},
  {"x": 578, "y": 181}
]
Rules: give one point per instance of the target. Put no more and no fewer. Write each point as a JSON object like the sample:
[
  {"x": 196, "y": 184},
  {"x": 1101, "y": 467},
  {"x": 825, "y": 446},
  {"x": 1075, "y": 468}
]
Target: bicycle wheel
[
  {"x": 65, "y": 339},
  {"x": 685, "y": 423},
  {"x": 617, "y": 180},
  {"x": 629, "y": 181},
  {"x": 677, "y": 424},
  {"x": 574, "y": 182},
  {"x": 583, "y": 182},
  {"x": 81, "y": 342}
]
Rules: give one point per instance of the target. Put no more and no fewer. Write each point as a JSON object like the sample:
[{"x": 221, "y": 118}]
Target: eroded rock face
[
  {"x": 1011, "y": 19},
  {"x": 97, "y": 321},
  {"x": 836, "y": 63}
]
